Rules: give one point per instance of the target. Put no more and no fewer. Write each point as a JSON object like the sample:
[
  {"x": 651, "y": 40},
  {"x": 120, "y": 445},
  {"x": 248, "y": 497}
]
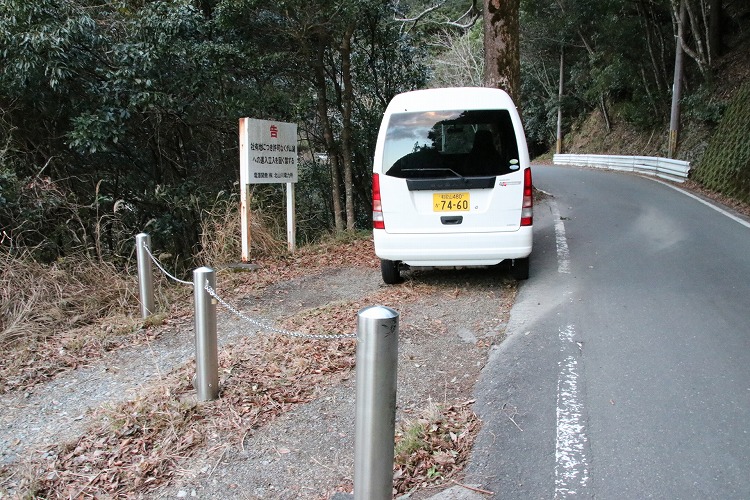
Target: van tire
[
  {"x": 520, "y": 269},
  {"x": 390, "y": 272}
]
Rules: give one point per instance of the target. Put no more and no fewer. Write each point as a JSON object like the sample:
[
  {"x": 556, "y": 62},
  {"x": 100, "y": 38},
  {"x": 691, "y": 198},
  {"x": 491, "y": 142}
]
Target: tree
[
  {"x": 705, "y": 25},
  {"x": 616, "y": 58},
  {"x": 130, "y": 110},
  {"x": 502, "y": 46},
  {"x": 460, "y": 60},
  {"x": 325, "y": 36},
  {"x": 674, "y": 121},
  {"x": 542, "y": 46},
  {"x": 117, "y": 108}
]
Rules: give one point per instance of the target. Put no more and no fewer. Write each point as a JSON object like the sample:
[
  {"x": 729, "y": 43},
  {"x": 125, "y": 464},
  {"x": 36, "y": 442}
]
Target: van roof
[{"x": 459, "y": 98}]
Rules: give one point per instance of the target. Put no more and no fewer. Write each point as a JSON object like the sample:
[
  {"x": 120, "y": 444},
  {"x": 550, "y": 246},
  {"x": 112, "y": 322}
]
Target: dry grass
[
  {"x": 56, "y": 317},
  {"x": 68, "y": 293},
  {"x": 44, "y": 310},
  {"x": 221, "y": 237}
]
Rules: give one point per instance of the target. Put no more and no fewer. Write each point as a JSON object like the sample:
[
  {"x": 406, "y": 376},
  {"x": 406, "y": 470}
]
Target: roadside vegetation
[{"x": 98, "y": 141}]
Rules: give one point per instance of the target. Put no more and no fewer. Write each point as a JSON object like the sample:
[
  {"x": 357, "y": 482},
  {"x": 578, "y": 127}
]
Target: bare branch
[
  {"x": 698, "y": 54},
  {"x": 472, "y": 13},
  {"x": 416, "y": 19}
]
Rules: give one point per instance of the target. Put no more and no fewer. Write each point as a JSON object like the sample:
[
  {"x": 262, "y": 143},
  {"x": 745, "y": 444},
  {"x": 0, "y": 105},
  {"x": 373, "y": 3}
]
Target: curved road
[{"x": 626, "y": 373}]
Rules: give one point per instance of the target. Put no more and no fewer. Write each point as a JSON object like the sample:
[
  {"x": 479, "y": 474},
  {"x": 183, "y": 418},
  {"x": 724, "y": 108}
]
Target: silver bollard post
[
  {"x": 145, "y": 274},
  {"x": 377, "y": 358},
  {"x": 206, "y": 380}
]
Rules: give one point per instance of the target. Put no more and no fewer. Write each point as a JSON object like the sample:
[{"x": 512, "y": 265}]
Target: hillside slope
[{"x": 715, "y": 139}]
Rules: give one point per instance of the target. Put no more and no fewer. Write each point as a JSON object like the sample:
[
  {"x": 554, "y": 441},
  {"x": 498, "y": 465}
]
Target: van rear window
[{"x": 437, "y": 144}]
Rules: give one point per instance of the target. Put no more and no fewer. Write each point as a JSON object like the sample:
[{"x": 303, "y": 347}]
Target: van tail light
[
  {"x": 527, "y": 212},
  {"x": 377, "y": 207}
]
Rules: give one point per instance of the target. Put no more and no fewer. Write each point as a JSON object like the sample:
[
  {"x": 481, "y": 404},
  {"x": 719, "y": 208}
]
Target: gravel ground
[{"x": 445, "y": 336}]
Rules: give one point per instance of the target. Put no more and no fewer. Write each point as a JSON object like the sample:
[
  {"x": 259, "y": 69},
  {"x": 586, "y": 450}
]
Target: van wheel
[
  {"x": 520, "y": 269},
  {"x": 390, "y": 272}
]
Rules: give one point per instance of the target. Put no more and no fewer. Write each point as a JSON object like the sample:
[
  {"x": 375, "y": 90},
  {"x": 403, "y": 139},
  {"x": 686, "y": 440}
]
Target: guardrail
[{"x": 665, "y": 168}]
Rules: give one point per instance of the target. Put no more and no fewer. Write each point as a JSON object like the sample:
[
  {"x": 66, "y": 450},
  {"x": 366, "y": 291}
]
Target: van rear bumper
[{"x": 458, "y": 249}]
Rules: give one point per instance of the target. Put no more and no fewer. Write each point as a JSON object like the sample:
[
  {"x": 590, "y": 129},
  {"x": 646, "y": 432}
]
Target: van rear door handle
[{"x": 453, "y": 220}]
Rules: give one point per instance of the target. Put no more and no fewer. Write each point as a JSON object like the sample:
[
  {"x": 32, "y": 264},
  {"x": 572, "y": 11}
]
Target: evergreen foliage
[{"x": 121, "y": 117}]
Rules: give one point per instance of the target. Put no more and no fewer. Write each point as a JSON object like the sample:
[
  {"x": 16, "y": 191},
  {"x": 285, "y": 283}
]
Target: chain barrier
[
  {"x": 239, "y": 314},
  {"x": 267, "y": 327},
  {"x": 157, "y": 264}
]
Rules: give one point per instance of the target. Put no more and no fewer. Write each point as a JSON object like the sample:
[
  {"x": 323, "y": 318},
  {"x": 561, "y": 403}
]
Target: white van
[{"x": 451, "y": 182}]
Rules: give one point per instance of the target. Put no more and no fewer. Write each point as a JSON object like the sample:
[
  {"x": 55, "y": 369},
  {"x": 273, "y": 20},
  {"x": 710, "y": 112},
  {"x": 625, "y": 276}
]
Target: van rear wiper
[
  {"x": 454, "y": 172},
  {"x": 428, "y": 173}
]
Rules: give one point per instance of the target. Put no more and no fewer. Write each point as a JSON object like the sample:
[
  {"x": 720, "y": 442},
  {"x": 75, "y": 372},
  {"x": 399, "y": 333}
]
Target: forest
[{"x": 121, "y": 117}]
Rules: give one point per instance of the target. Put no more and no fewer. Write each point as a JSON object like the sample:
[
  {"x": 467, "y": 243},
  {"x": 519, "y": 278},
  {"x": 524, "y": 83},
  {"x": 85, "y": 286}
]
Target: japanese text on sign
[
  {"x": 281, "y": 176},
  {"x": 269, "y": 151},
  {"x": 286, "y": 148}
]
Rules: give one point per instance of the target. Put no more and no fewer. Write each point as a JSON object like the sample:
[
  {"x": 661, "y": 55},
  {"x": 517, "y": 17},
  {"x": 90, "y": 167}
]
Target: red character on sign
[{"x": 274, "y": 132}]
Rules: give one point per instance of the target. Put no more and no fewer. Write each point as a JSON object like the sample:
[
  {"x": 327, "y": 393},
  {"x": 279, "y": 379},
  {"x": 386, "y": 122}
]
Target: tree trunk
[
  {"x": 693, "y": 21},
  {"x": 347, "y": 102},
  {"x": 651, "y": 31},
  {"x": 674, "y": 121},
  {"x": 322, "y": 108},
  {"x": 715, "y": 29},
  {"x": 502, "y": 56},
  {"x": 605, "y": 114},
  {"x": 559, "y": 148}
]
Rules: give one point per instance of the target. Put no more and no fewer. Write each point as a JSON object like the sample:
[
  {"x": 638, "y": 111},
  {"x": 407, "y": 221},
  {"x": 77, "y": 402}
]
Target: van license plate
[{"x": 451, "y": 202}]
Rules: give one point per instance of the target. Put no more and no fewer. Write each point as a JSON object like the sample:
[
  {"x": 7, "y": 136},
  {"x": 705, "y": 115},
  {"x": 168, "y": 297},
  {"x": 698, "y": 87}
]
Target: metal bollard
[
  {"x": 377, "y": 358},
  {"x": 145, "y": 274},
  {"x": 206, "y": 379}
]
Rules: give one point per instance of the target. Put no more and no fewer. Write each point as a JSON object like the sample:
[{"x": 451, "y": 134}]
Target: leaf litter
[{"x": 144, "y": 444}]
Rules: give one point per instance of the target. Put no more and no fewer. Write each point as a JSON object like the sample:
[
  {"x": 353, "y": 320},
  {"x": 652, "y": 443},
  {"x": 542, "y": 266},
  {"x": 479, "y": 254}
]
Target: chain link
[
  {"x": 238, "y": 313},
  {"x": 267, "y": 327},
  {"x": 156, "y": 262}
]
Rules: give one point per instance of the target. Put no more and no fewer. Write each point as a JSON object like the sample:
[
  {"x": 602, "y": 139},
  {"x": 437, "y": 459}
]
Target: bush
[{"x": 703, "y": 106}]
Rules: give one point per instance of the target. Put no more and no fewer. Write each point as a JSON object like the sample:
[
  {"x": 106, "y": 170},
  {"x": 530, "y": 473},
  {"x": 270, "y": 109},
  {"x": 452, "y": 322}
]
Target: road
[{"x": 626, "y": 373}]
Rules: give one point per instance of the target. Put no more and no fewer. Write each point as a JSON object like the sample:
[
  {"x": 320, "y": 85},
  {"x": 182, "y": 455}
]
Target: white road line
[
  {"x": 571, "y": 463},
  {"x": 707, "y": 203},
  {"x": 563, "y": 254}
]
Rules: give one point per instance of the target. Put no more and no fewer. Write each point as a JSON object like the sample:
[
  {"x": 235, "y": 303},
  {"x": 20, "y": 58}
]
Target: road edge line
[{"x": 705, "y": 202}]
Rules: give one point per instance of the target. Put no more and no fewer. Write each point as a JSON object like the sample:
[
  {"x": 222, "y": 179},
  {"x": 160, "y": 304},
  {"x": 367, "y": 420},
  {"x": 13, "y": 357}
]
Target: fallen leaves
[
  {"x": 276, "y": 268},
  {"x": 137, "y": 446},
  {"x": 434, "y": 447},
  {"x": 133, "y": 448}
]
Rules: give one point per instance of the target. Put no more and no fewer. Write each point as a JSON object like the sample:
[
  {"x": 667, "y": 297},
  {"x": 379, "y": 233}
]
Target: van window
[{"x": 434, "y": 144}]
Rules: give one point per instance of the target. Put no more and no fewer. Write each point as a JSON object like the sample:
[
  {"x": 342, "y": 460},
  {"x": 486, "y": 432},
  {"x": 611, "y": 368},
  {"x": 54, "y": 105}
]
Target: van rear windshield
[{"x": 435, "y": 144}]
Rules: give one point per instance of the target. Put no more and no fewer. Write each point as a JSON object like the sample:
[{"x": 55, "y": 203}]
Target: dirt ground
[{"x": 448, "y": 322}]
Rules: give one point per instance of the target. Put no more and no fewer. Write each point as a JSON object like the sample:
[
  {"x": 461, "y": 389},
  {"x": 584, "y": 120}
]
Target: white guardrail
[{"x": 665, "y": 168}]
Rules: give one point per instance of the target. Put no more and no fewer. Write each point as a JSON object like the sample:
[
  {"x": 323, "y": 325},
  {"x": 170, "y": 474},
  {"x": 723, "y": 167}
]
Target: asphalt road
[{"x": 626, "y": 373}]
